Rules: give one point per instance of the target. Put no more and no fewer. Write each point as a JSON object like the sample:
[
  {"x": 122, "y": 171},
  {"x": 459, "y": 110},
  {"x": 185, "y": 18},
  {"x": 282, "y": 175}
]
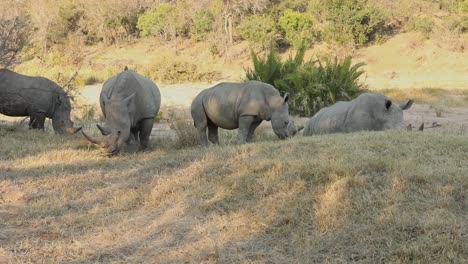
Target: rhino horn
[
  {"x": 104, "y": 131},
  {"x": 92, "y": 140},
  {"x": 299, "y": 128},
  {"x": 73, "y": 130}
]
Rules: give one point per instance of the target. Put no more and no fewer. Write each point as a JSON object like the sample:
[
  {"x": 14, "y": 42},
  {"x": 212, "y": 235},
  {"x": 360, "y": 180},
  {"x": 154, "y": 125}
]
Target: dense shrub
[
  {"x": 351, "y": 21},
  {"x": 298, "y": 27},
  {"x": 259, "y": 30},
  {"x": 202, "y": 24},
  {"x": 162, "y": 21},
  {"x": 425, "y": 25},
  {"x": 314, "y": 84}
]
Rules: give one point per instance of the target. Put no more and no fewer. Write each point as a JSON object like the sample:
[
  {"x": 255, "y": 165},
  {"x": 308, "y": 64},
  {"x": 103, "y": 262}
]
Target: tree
[{"x": 13, "y": 37}]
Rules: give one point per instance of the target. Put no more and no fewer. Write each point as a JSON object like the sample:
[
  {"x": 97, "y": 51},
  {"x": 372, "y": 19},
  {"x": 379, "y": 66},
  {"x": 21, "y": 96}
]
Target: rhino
[
  {"x": 38, "y": 98},
  {"x": 241, "y": 105},
  {"x": 129, "y": 103},
  {"x": 369, "y": 111}
]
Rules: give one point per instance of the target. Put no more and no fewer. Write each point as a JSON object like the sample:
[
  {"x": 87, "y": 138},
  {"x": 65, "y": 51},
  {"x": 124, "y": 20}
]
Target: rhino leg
[
  {"x": 132, "y": 144},
  {"x": 245, "y": 122},
  {"x": 213, "y": 133},
  {"x": 253, "y": 126},
  {"x": 146, "y": 126},
  {"x": 37, "y": 121},
  {"x": 201, "y": 123}
]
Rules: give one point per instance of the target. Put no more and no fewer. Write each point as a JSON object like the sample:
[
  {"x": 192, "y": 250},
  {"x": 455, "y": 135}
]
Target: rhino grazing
[
  {"x": 369, "y": 111},
  {"x": 36, "y": 97},
  {"x": 129, "y": 103},
  {"x": 241, "y": 105}
]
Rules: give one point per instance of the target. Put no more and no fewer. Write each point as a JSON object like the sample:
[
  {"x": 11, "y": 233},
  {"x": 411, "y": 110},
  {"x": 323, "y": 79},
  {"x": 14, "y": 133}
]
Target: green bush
[
  {"x": 298, "y": 27},
  {"x": 351, "y": 21},
  {"x": 162, "y": 21},
  {"x": 425, "y": 25},
  {"x": 202, "y": 24},
  {"x": 259, "y": 30},
  {"x": 313, "y": 85}
]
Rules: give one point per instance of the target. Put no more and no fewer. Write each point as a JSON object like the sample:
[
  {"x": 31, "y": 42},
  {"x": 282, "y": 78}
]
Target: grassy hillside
[{"x": 367, "y": 197}]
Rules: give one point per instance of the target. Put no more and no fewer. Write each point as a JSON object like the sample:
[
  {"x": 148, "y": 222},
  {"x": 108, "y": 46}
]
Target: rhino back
[
  {"x": 147, "y": 95},
  {"x": 21, "y": 94},
  {"x": 224, "y": 103},
  {"x": 328, "y": 120}
]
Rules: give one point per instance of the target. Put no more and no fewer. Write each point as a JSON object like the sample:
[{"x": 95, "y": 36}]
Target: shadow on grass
[{"x": 339, "y": 198}]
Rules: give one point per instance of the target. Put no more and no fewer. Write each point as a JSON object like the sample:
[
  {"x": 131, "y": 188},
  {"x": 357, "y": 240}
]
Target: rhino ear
[
  {"x": 286, "y": 97},
  {"x": 407, "y": 105},
  {"x": 129, "y": 100},
  {"x": 388, "y": 103}
]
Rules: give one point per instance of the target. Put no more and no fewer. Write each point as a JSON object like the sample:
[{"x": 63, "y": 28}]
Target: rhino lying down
[
  {"x": 129, "y": 102},
  {"x": 36, "y": 97},
  {"x": 369, "y": 111},
  {"x": 243, "y": 106}
]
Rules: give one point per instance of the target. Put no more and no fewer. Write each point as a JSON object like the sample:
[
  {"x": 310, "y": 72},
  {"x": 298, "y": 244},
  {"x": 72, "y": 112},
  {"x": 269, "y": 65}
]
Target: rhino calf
[
  {"x": 129, "y": 103},
  {"x": 36, "y": 97},
  {"x": 241, "y": 105},
  {"x": 369, "y": 111}
]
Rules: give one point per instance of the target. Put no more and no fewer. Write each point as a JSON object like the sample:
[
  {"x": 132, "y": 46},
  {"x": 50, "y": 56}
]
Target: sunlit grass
[{"x": 369, "y": 197}]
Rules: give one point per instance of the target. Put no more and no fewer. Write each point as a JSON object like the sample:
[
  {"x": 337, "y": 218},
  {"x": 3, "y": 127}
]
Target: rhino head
[
  {"x": 391, "y": 115},
  {"x": 119, "y": 118},
  {"x": 282, "y": 124},
  {"x": 61, "y": 121}
]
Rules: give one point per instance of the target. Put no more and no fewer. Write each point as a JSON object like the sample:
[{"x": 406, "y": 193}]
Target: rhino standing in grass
[
  {"x": 36, "y": 97},
  {"x": 243, "y": 106},
  {"x": 129, "y": 102},
  {"x": 369, "y": 111}
]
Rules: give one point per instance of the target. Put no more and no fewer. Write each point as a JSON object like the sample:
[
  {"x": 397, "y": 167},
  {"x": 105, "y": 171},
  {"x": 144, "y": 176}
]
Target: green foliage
[
  {"x": 258, "y": 30},
  {"x": 163, "y": 21},
  {"x": 313, "y": 85},
  {"x": 320, "y": 84},
  {"x": 351, "y": 21},
  {"x": 298, "y": 27},
  {"x": 202, "y": 24},
  {"x": 425, "y": 25}
]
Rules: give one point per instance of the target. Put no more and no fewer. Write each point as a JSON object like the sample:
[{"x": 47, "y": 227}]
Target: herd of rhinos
[{"x": 130, "y": 102}]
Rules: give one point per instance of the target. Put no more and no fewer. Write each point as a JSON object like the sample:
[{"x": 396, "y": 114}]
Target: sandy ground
[{"x": 179, "y": 97}]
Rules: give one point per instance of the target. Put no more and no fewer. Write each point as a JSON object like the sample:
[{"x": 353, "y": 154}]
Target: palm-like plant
[{"x": 314, "y": 84}]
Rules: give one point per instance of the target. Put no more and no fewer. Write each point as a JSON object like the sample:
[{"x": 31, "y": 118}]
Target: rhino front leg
[
  {"x": 245, "y": 123},
  {"x": 37, "y": 121},
  {"x": 251, "y": 134},
  {"x": 146, "y": 126}
]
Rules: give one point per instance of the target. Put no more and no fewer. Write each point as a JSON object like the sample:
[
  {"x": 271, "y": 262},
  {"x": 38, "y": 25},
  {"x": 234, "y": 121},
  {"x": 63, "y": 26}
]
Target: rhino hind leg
[
  {"x": 251, "y": 134},
  {"x": 213, "y": 133},
  {"x": 146, "y": 126},
  {"x": 200, "y": 121},
  {"x": 37, "y": 121}
]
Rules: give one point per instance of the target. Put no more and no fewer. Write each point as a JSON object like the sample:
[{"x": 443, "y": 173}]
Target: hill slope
[{"x": 365, "y": 197}]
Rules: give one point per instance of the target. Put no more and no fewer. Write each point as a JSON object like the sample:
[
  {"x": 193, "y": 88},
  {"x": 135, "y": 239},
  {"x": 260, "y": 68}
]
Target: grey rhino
[
  {"x": 129, "y": 103},
  {"x": 369, "y": 111},
  {"x": 241, "y": 105},
  {"x": 36, "y": 97}
]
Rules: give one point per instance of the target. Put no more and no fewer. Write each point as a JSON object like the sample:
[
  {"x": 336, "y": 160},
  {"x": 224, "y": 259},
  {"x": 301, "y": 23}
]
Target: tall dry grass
[{"x": 392, "y": 197}]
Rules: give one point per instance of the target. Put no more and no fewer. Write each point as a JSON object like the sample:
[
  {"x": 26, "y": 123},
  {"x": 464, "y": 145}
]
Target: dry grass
[
  {"x": 431, "y": 96},
  {"x": 366, "y": 197}
]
